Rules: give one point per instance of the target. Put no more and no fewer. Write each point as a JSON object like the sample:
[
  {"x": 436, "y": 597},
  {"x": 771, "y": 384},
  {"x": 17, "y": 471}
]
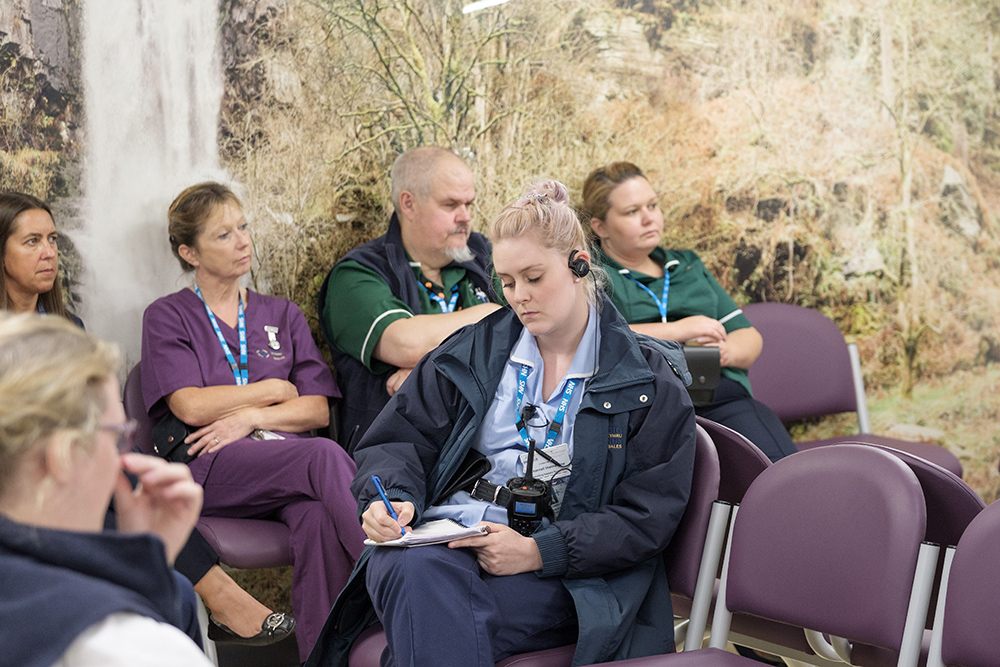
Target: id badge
[
  {"x": 556, "y": 475},
  {"x": 546, "y": 470}
]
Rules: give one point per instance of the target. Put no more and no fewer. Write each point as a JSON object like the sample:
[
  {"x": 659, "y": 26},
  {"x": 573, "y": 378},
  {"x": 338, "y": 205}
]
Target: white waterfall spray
[{"x": 152, "y": 89}]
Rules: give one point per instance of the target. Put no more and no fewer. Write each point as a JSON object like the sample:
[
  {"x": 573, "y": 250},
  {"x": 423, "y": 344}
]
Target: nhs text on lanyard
[
  {"x": 661, "y": 303},
  {"x": 240, "y": 372},
  {"x": 556, "y": 464}
]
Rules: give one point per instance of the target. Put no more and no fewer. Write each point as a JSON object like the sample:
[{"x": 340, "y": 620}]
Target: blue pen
[{"x": 385, "y": 499}]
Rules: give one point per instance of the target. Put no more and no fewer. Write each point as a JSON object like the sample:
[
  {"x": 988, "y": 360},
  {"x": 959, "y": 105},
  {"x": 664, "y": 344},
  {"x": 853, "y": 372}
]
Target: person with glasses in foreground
[
  {"x": 73, "y": 594},
  {"x": 612, "y": 416},
  {"x": 29, "y": 282}
]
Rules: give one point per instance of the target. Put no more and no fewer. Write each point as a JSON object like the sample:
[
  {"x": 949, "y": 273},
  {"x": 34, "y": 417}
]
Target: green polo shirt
[
  {"x": 359, "y": 306},
  {"x": 693, "y": 291}
]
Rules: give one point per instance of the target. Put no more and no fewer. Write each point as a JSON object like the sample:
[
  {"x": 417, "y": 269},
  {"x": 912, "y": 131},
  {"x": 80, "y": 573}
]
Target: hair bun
[{"x": 551, "y": 189}]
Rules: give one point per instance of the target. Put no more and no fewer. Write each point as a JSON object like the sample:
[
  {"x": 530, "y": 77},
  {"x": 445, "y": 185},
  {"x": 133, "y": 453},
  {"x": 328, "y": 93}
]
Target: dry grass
[{"x": 763, "y": 128}]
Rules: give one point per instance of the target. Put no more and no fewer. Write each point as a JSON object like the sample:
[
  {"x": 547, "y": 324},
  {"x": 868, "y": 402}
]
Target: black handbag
[
  {"x": 168, "y": 439},
  {"x": 703, "y": 363}
]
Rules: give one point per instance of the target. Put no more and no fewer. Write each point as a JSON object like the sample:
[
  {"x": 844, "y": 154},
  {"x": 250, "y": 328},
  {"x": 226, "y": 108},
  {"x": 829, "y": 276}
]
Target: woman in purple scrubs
[{"x": 242, "y": 370}]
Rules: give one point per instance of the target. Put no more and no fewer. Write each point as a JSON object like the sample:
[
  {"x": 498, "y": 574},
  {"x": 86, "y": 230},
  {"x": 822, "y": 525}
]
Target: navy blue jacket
[
  {"x": 364, "y": 392},
  {"x": 632, "y": 464},
  {"x": 55, "y": 584}
]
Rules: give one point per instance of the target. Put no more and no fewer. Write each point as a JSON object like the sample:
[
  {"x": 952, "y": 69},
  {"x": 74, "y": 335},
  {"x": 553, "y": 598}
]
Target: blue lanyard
[
  {"x": 556, "y": 426},
  {"x": 445, "y": 307},
  {"x": 239, "y": 372},
  {"x": 661, "y": 303}
]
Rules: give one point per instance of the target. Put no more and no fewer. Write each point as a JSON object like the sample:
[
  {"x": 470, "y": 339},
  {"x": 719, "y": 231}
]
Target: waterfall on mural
[{"x": 152, "y": 90}]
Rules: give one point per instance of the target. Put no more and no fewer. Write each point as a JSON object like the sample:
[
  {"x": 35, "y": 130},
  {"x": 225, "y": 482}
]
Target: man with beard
[{"x": 390, "y": 301}]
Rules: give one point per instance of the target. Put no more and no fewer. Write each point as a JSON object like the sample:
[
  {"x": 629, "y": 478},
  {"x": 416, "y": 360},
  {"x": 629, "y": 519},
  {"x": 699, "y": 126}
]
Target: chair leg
[
  {"x": 210, "y": 650},
  {"x": 680, "y": 631}
]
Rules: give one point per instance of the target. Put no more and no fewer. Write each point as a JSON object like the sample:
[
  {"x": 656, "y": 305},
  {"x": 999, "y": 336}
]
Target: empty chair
[
  {"x": 951, "y": 507},
  {"x": 806, "y": 369},
  {"x": 739, "y": 462},
  {"x": 966, "y": 632},
  {"x": 827, "y": 540},
  {"x": 693, "y": 556}
]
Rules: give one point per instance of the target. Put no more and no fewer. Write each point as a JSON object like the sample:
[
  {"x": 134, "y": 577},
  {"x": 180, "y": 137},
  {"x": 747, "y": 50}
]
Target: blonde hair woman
[
  {"x": 615, "y": 428},
  {"x": 71, "y": 593}
]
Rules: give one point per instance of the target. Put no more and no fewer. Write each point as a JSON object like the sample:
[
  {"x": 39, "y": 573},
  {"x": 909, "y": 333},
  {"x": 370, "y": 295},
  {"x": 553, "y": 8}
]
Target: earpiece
[{"x": 579, "y": 267}]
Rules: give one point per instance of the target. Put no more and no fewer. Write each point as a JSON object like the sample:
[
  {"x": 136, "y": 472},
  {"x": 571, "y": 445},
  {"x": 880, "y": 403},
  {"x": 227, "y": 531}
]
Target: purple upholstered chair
[
  {"x": 950, "y": 503},
  {"x": 968, "y": 607},
  {"x": 245, "y": 544},
  {"x": 806, "y": 369},
  {"x": 951, "y": 506},
  {"x": 738, "y": 462},
  {"x": 693, "y": 557},
  {"x": 828, "y": 539}
]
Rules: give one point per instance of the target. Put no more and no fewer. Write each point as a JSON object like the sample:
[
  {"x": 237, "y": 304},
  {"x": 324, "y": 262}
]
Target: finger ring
[{"x": 216, "y": 441}]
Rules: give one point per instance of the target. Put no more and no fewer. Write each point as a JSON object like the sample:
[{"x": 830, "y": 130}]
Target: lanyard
[
  {"x": 445, "y": 307},
  {"x": 240, "y": 371},
  {"x": 661, "y": 303},
  {"x": 557, "y": 422}
]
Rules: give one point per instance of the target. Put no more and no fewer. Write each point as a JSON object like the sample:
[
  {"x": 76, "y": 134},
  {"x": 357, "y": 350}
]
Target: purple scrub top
[{"x": 180, "y": 348}]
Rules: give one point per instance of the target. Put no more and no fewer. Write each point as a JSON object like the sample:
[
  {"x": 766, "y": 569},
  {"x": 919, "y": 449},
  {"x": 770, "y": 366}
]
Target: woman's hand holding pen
[
  {"x": 503, "y": 550},
  {"x": 379, "y": 526}
]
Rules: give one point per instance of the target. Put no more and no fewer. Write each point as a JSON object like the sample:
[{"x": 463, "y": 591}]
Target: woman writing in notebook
[{"x": 614, "y": 432}]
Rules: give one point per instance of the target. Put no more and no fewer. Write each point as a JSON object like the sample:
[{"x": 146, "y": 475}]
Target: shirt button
[
  {"x": 643, "y": 398},
  {"x": 607, "y": 405}
]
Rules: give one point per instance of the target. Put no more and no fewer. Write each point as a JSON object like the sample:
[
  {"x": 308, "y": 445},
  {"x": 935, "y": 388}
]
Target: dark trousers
[
  {"x": 196, "y": 558},
  {"x": 735, "y": 408},
  {"x": 439, "y": 609}
]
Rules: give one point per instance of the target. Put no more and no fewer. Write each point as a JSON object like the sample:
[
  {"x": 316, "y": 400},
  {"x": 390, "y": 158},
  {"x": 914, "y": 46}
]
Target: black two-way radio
[{"x": 530, "y": 498}]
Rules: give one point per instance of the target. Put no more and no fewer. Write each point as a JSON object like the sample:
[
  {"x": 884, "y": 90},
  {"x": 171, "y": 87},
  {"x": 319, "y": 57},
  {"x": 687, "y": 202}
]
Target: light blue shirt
[{"x": 498, "y": 438}]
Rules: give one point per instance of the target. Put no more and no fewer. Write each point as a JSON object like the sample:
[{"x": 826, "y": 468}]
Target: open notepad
[{"x": 433, "y": 532}]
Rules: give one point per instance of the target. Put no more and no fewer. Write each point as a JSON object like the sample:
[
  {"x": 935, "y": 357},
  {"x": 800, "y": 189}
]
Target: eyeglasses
[{"x": 126, "y": 434}]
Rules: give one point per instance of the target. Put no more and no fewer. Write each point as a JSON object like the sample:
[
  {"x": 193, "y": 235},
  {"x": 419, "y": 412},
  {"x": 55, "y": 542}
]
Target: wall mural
[{"x": 835, "y": 154}]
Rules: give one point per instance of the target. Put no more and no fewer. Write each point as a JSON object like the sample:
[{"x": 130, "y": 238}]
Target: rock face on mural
[{"x": 40, "y": 113}]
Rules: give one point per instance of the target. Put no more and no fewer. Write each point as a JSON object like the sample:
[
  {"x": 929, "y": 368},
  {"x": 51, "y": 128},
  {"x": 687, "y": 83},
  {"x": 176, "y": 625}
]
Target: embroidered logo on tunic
[
  {"x": 615, "y": 441},
  {"x": 277, "y": 355}
]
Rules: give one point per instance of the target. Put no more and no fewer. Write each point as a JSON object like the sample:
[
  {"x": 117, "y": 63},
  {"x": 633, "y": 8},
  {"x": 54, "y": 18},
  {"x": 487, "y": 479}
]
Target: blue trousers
[
  {"x": 735, "y": 408},
  {"x": 439, "y": 609}
]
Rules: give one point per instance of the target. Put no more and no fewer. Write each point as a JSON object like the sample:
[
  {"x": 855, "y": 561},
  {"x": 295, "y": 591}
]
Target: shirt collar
[
  {"x": 584, "y": 364},
  {"x": 659, "y": 255}
]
